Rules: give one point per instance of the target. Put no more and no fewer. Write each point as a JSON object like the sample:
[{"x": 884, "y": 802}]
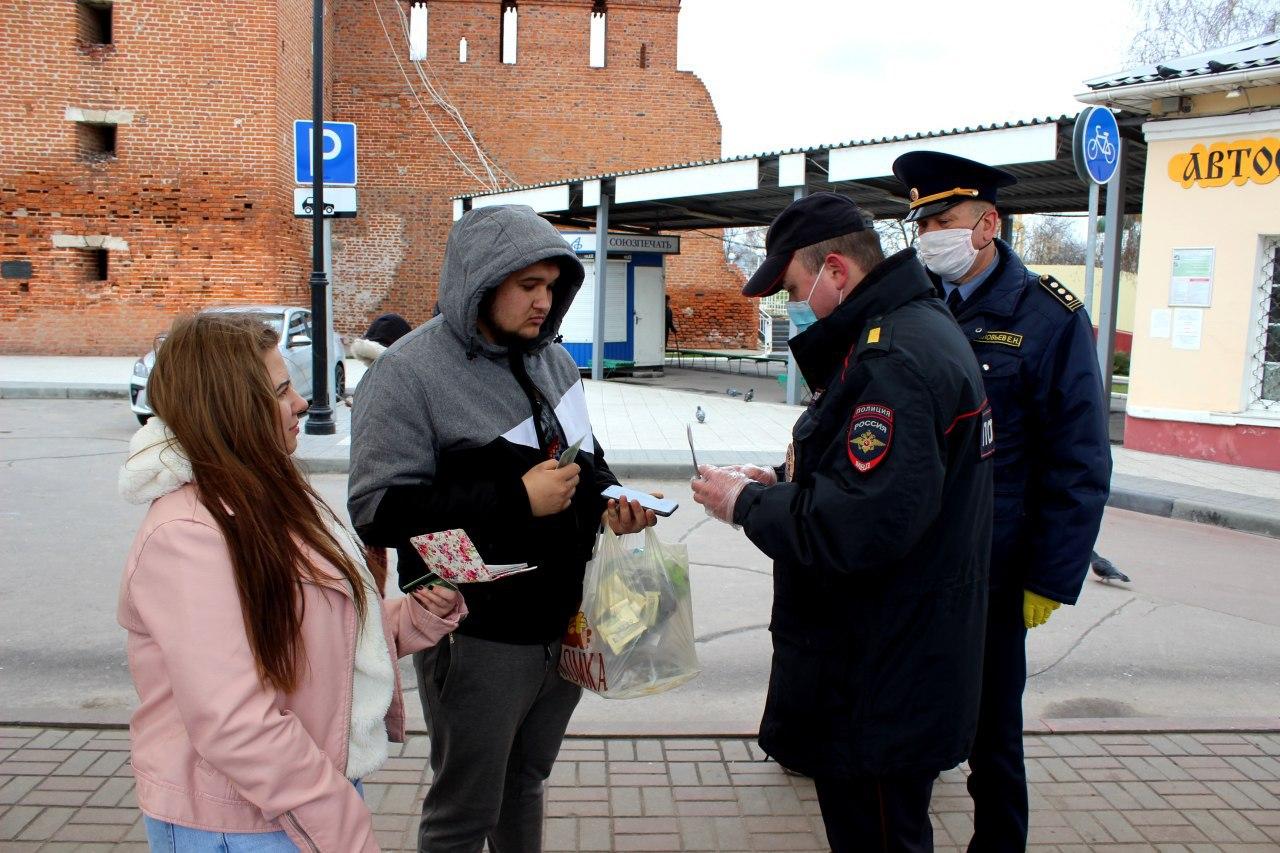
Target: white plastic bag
[{"x": 634, "y": 633}]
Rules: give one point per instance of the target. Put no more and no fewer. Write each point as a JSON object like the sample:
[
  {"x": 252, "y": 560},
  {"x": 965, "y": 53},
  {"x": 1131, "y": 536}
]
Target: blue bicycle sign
[
  {"x": 1097, "y": 145},
  {"x": 1100, "y": 146}
]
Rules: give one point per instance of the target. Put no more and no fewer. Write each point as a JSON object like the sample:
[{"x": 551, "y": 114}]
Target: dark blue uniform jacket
[
  {"x": 1035, "y": 344},
  {"x": 880, "y": 540}
]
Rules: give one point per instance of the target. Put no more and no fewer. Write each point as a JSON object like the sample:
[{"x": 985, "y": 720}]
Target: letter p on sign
[{"x": 339, "y": 148}]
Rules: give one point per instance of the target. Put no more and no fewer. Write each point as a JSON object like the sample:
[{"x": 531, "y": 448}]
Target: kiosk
[{"x": 635, "y": 307}]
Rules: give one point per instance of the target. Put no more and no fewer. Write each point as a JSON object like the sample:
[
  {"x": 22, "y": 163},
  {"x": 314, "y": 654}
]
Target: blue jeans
[{"x": 165, "y": 837}]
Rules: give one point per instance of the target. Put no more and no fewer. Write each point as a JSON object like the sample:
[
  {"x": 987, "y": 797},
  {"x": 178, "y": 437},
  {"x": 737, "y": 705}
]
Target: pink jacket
[{"x": 213, "y": 748}]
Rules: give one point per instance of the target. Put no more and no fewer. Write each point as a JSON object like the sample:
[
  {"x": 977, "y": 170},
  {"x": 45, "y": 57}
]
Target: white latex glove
[
  {"x": 717, "y": 489},
  {"x": 763, "y": 476}
]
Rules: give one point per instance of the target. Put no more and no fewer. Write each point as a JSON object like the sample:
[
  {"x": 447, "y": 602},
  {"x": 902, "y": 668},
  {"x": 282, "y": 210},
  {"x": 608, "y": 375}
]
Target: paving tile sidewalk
[{"x": 71, "y": 789}]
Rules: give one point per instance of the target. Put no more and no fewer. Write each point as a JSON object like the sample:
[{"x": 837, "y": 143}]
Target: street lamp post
[{"x": 320, "y": 416}]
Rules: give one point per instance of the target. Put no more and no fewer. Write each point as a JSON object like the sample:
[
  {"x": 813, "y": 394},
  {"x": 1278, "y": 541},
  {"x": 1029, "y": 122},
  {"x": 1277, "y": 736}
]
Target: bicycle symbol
[{"x": 1100, "y": 144}]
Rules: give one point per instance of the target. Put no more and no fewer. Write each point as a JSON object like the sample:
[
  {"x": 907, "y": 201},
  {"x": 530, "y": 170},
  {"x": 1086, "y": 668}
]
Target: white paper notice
[
  {"x": 1161, "y": 322},
  {"x": 1191, "y": 282},
  {"x": 1188, "y": 327}
]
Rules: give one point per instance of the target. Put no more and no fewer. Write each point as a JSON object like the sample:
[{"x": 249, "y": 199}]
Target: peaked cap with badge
[{"x": 936, "y": 182}]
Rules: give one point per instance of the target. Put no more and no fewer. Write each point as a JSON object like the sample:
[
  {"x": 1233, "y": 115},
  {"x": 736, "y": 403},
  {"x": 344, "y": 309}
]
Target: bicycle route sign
[{"x": 1096, "y": 145}]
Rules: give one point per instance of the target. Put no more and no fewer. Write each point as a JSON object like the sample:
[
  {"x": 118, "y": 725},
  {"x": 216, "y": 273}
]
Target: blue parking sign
[{"x": 339, "y": 153}]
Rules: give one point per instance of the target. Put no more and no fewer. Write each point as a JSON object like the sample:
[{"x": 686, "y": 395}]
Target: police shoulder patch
[
  {"x": 870, "y": 436},
  {"x": 1068, "y": 299}
]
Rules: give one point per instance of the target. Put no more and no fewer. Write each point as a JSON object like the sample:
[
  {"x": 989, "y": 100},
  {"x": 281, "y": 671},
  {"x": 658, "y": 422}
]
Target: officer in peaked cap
[{"x": 1034, "y": 342}]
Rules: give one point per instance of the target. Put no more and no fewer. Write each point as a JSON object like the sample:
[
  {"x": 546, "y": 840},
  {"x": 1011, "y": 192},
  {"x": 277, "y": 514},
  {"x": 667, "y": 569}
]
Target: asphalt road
[{"x": 1196, "y": 635}]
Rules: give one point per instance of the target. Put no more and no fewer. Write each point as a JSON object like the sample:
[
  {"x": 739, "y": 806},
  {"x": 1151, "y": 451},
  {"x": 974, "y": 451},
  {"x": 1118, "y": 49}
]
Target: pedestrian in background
[
  {"x": 263, "y": 654},
  {"x": 1052, "y": 461},
  {"x": 382, "y": 333},
  {"x": 878, "y": 525},
  {"x": 459, "y": 425},
  {"x": 671, "y": 323}
]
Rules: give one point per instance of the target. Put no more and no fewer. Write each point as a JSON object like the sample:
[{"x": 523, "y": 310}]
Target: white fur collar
[{"x": 156, "y": 464}]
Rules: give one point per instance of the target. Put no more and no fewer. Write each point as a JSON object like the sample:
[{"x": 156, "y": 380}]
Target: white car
[{"x": 294, "y": 327}]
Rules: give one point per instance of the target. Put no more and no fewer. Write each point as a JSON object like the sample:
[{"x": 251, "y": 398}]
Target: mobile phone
[
  {"x": 572, "y": 453},
  {"x": 661, "y": 506},
  {"x": 428, "y": 579}
]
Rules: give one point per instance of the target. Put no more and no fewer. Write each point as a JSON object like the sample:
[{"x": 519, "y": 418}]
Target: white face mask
[{"x": 950, "y": 252}]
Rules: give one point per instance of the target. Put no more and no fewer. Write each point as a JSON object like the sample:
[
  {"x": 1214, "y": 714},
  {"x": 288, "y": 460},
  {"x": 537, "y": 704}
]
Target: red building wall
[
  {"x": 550, "y": 115},
  {"x": 196, "y": 190},
  {"x": 200, "y": 189}
]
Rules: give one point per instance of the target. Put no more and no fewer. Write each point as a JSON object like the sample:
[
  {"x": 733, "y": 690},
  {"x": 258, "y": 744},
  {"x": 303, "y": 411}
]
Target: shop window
[
  {"x": 510, "y": 32},
  {"x": 95, "y": 141},
  {"x": 599, "y": 26},
  {"x": 93, "y": 21},
  {"x": 1267, "y": 348},
  {"x": 462, "y": 50}
]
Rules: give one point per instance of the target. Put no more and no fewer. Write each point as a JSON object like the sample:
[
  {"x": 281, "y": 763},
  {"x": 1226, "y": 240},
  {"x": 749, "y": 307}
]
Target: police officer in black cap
[
  {"x": 1053, "y": 460},
  {"x": 878, "y": 525}
]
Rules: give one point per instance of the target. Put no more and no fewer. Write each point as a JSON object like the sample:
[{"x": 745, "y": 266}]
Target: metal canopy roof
[
  {"x": 1258, "y": 52},
  {"x": 753, "y": 189}
]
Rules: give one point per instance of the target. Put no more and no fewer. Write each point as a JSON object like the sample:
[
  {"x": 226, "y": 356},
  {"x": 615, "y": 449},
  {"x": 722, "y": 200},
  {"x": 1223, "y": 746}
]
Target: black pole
[{"x": 320, "y": 416}]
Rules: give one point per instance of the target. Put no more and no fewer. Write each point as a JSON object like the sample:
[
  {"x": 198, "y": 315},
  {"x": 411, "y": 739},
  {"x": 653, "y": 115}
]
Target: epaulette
[
  {"x": 873, "y": 341},
  {"x": 877, "y": 335},
  {"x": 1068, "y": 299}
]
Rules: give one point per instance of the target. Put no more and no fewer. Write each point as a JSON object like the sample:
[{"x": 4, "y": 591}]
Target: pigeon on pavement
[
  {"x": 751, "y": 395},
  {"x": 700, "y": 415},
  {"x": 1105, "y": 571}
]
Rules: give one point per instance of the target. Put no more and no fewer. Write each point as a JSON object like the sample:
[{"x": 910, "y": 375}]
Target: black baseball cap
[
  {"x": 936, "y": 182},
  {"x": 809, "y": 220}
]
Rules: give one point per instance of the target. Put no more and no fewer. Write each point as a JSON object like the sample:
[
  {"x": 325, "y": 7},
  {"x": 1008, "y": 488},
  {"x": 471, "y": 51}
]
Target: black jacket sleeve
[
  {"x": 410, "y": 510},
  {"x": 848, "y": 521},
  {"x": 1071, "y": 481}
]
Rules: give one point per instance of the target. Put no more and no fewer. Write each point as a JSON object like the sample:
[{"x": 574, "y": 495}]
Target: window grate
[{"x": 1266, "y": 358}]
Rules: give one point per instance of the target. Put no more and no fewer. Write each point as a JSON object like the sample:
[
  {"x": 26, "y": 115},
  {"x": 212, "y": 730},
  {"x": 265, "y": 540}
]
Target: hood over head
[{"x": 490, "y": 243}]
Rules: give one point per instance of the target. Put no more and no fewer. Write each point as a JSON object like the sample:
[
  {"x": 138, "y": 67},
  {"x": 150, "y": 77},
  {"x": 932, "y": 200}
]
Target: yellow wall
[{"x": 1231, "y": 219}]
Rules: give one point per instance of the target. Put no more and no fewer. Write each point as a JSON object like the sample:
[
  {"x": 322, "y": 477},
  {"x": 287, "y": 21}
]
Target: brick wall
[
  {"x": 549, "y": 115},
  {"x": 194, "y": 190},
  {"x": 198, "y": 196}
]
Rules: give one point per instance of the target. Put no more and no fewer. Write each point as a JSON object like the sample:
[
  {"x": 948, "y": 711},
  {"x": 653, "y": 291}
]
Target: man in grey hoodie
[{"x": 459, "y": 424}]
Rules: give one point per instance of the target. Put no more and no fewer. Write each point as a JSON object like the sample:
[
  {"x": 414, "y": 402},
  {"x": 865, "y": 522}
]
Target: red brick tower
[{"x": 546, "y": 115}]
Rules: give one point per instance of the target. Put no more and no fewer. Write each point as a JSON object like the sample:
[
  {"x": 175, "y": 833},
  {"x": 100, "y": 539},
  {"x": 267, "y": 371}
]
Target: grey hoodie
[{"x": 442, "y": 432}]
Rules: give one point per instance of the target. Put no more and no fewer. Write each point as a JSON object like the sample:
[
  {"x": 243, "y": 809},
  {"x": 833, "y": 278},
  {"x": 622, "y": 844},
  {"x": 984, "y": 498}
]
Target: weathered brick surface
[
  {"x": 200, "y": 188},
  {"x": 197, "y": 189}
]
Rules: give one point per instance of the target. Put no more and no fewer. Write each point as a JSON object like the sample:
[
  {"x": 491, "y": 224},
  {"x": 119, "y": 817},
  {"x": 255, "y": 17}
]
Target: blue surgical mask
[{"x": 801, "y": 312}]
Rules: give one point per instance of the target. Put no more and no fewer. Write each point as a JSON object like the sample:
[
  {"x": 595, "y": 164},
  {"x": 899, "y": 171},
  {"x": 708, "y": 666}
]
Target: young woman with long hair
[{"x": 262, "y": 650}]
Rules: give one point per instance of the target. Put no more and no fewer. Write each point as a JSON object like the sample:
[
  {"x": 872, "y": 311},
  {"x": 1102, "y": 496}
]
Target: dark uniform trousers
[
  {"x": 877, "y": 814},
  {"x": 998, "y": 778}
]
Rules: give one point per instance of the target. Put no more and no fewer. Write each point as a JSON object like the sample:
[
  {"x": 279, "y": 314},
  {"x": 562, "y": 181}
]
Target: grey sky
[{"x": 813, "y": 72}]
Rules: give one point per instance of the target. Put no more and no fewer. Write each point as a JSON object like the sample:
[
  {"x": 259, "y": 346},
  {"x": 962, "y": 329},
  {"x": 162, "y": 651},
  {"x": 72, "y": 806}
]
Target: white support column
[
  {"x": 1091, "y": 248},
  {"x": 602, "y": 277}
]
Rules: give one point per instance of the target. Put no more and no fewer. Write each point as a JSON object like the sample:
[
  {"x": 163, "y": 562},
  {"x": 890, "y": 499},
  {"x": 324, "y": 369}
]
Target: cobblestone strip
[{"x": 72, "y": 790}]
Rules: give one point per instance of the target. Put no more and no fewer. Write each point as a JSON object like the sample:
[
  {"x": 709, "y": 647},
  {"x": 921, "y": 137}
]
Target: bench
[{"x": 698, "y": 357}]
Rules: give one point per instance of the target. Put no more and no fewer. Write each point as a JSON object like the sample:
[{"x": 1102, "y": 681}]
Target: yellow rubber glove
[{"x": 1036, "y": 609}]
